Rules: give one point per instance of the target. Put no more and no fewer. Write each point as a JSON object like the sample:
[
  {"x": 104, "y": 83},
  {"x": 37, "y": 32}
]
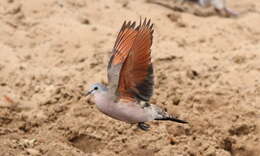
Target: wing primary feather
[
  {"x": 148, "y": 23},
  {"x": 151, "y": 27},
  {"x": 125, "y": 38},
  {"x": 144, "y": 23},
  {"x": 121, "y": 39},
  {"x": 129, "y": 23},
  {"x": 133, "y": 25},
  {"x": 120, "y": 32},
  {"x": 140, "y": 24},
  {"x": 122, "y": 28},
  {"x": 118, "y": 41},
  {"x": 140, "y": 21}
]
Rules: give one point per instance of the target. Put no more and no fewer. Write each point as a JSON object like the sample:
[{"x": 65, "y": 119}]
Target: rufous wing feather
[
  {"x": 123, "y": 44},
  {"x": 120, "y": 52},
  {"x": 136, "y": 76}
]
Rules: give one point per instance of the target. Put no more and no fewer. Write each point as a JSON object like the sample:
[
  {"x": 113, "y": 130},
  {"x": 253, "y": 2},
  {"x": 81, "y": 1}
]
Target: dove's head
[{"x": 96, "y": 88}]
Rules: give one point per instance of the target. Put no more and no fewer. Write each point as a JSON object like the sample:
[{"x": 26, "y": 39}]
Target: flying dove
[{"x": 130, "y": 79}]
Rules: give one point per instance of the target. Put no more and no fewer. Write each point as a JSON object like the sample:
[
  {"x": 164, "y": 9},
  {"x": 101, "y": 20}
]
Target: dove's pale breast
[{"x": 130, "y": 112}]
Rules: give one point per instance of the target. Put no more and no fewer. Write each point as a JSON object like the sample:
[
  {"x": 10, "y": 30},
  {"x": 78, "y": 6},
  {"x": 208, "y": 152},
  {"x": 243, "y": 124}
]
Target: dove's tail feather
[
  {"x": 171, "y": 118},
  {"x": 163, "y": 115}
]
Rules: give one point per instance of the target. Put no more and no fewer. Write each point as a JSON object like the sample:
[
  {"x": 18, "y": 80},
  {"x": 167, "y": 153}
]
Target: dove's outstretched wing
[{"x": 130, "y": 70}]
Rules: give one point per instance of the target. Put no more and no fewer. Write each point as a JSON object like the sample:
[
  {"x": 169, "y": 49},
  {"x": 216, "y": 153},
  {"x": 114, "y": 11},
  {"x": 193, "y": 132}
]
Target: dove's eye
[{"x": 96, "y": 88}]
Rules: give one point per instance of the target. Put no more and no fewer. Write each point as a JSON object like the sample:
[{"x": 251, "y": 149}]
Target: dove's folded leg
[{"x": 143, "y": 126}]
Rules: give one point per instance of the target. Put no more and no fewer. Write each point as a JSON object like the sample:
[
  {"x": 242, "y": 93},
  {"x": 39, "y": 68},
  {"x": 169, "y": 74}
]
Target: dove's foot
[{"x": 143, "y": 126}]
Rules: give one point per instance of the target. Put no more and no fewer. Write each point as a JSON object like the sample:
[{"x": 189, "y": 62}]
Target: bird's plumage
[
  {"x": 131, "y": 56},
  {"x": 130, "y": 78}
]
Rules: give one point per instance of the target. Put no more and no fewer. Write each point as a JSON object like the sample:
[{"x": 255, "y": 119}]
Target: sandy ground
[{"x": 207, "y": 70}]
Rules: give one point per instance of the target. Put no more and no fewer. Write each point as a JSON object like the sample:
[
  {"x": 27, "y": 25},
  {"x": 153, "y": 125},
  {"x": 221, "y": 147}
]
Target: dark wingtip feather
[
  {"x": 144, "y": 23},
  {"x": 151, "y": 27},
  {"x": 133, "y": 25},
  {"x": 148, "y": 23},
  {"x": 128, "y": 23},
  {"x": 123, "y": 26}
]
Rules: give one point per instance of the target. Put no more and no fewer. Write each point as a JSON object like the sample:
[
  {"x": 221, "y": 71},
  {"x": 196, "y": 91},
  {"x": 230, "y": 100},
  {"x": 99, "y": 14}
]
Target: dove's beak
[{"x": 89, "y": 92}]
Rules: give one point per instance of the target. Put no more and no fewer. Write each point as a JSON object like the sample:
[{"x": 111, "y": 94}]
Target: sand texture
[{"x": 207, "y": 71}]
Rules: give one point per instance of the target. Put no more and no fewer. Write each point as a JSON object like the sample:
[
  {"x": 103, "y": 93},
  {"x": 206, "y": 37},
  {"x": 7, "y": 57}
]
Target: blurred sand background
[{"x": 207, "y": 70}]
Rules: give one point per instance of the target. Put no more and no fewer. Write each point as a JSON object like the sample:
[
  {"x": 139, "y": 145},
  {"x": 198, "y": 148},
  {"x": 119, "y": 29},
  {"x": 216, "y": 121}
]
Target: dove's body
[
  {"x": 130, "y": 112},
  {"x": 130, "y": 76}
]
